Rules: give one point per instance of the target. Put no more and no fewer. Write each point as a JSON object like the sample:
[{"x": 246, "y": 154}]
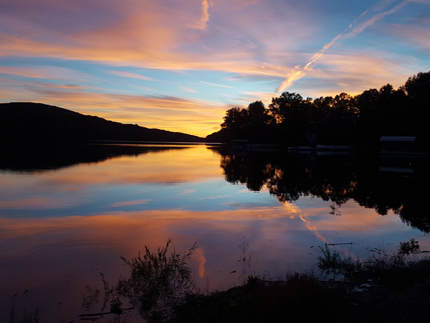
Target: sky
[{"x": 179, "y": 65}]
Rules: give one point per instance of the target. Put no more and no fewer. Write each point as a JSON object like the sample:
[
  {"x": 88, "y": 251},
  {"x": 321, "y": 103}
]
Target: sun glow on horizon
[{"x": 180, "y": 65}]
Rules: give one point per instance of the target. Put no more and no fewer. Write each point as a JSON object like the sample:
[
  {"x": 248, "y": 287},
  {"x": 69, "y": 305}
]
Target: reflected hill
[
  {"x": 44, "y": 158},
  {"x": 338, "y": 179}
]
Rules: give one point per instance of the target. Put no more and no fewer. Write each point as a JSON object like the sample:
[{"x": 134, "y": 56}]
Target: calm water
[{"x": 67, "y": 214}]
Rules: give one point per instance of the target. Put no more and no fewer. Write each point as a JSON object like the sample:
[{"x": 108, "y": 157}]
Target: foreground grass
[
  {"x": 298, "y": 299},
  {"x": 385, "y": 288},
  {"x": 398, "y": 295}
]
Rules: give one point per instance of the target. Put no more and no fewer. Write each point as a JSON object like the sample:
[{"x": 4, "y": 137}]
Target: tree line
[{"x": 343, "y": 119}]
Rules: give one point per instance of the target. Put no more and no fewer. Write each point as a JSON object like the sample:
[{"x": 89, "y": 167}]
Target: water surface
[{"x": 69, "y": 213}]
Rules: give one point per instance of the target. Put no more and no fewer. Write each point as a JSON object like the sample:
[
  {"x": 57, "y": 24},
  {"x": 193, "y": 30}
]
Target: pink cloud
[
  {"x": 187, "y": 89},
  {"x": 186, "y": 192},
  {"x": 128, "y": 203},
  {"x": 151, "y": 36},
  {"x": 247, "y": 39},
  {"x": 131, "y": 75}
]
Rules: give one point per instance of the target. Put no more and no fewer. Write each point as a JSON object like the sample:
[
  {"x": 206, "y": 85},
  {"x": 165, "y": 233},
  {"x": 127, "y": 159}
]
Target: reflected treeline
[
  {"x": 42, "y": 158},
  {"x": 401, "y": 187}
]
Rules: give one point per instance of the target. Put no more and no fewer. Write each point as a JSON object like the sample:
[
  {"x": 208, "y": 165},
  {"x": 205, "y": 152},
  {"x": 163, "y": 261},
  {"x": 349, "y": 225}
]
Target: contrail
[
  {"x": 357, "y": 30},
  {"x": 297, "y": 75},
  {"x": 293, "y": 209},
  {"x": 348, "y": 33},
  {"x": 311, "y": 228}
]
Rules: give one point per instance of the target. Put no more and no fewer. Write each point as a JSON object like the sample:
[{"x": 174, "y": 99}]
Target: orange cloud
[
  {"x": 289, "y": 81},
  {"x": 66, "y": 253},
  {"x": 199, "y": 254},
  {"x": 201, "y": 23},
  {"x": 151, "y": 168},
  {"x": 195, "y": 117},
  {"x": 313, "y": 229},
  {"x": 149, "y": 37},
  {"x": 35, "y": 203},
  {"x": 152, "y": 35},
  {"x": 45, "y": 72}
]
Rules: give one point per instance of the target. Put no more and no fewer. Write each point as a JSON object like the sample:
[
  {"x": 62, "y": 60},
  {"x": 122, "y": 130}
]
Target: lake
[{"x": 68, "y": 214}]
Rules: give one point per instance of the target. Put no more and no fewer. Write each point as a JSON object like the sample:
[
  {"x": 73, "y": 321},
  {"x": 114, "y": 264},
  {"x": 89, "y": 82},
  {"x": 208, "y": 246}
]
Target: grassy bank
[
  {"x": 398, "y": 294},
  {"x": 383, "y": 288}
]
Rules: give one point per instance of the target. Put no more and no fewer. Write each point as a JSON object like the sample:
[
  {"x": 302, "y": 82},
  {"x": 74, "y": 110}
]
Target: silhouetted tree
[
  {"x": 417, "y": 88},
  {"x": 281, "y": 107},
  {"x": 235, "y": 118},
  {"x": 296, "y": 116},
  {"x": 343, "y": 119},
  {"x": 251, "y": 123}
]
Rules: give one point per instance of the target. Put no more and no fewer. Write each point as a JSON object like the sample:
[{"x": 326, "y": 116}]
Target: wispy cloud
[
  {"x": 214, "y": 197},
  {"x": 195, "y": 117},
  {"x": 348, "y": 33},
  {"x": 359, "y": 29},
  {"x": 201, "y": 22},
  {"x": 216, "y": 84},
  {"x": 382, "y": 4},
  {"x": 242, "y": 4},
  {"x": 131, "y": 75},
  {"x": 186, "y": 192},
  {"x": 312, "y": 228},
  {"x": 26, "y": 72},
  {"x": 128, "y": 203},
  {"x": 245, "y": 48},
  {"x": 187, "y": 89},
  {"x": 45, "y": 72}
]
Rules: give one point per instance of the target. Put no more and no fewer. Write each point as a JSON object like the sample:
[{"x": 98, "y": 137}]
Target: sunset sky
[{"x": 179, "y": 65}]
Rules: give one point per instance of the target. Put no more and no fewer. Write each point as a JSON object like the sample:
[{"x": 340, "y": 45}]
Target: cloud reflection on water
[{"x": 69, "y": 225}]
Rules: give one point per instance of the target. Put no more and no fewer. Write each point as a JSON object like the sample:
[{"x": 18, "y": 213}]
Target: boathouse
[{"x": 398, "y": 144}]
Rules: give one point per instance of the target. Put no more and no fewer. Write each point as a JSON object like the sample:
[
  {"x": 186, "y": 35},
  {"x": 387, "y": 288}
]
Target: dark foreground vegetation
[
  {"x": 384, "y": 288},
  {"x": 357, "y": 120},
  {"x": 40, "y": 124}
]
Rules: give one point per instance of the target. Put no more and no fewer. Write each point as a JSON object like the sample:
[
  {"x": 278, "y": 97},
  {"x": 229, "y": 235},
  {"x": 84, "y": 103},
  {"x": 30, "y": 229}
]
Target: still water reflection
[{"x": 69, "y": 213}]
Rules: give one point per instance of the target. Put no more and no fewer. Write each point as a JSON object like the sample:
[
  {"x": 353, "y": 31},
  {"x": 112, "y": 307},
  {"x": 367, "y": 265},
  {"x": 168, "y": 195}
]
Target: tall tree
[
  {"x": 234, "y": 119},
  {"x": 258, "y": 114}
]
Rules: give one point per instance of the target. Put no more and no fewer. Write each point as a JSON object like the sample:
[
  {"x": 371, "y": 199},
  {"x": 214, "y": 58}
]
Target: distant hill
[{"x": 36, "y": 123}]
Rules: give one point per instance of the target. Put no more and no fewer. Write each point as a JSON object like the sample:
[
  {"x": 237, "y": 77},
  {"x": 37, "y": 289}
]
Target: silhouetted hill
[{"x": 36, "y": 123}]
